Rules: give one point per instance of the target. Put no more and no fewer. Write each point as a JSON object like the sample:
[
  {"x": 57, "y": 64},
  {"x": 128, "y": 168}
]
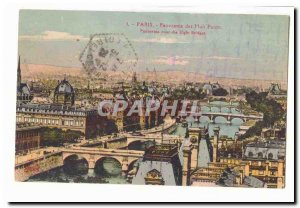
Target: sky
[{"x": 234, "y": 46}]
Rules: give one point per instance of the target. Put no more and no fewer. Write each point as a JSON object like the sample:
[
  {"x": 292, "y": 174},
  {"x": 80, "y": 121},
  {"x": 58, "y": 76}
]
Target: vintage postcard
[{"x": 152, "y": 98}]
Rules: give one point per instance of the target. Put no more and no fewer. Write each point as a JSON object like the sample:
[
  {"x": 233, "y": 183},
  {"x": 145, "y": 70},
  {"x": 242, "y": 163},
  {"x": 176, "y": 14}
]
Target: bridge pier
[
  {"x": 228, "y": 120},
  {"x": 124, "y": 169},
  {"x": 91, "y": 164},
  {"x": 91, "y": 172},
  {"x": 212, "y": 119}
]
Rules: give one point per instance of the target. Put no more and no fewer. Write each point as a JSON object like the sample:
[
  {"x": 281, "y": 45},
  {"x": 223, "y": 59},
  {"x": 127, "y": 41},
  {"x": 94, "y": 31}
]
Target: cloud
[
  {"x": 171, "y": 61},
  {"x": 222, "y": 58},
  {"x": 184, "y": 60},
  {"x": 158, "y": 40},
  {"x": 52, "y": 35},
  {"x": 204, "y": 57}
]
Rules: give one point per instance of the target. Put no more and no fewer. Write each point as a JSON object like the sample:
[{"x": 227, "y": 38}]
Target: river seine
[{"x": 109, "y": 171}]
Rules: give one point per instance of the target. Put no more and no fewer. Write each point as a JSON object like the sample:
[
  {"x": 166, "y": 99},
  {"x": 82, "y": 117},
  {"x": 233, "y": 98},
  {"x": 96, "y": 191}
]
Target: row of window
[
  {"x": 26, "y": 134},
  {"x": 262, "y": 172},
  {"x": 52, "y": 111},
  {"x": 260, "y": 155},
  {"x": 72, "y": 123},
  {"x": 24, "y": 146},
  {"x": 52, "y": 121}
]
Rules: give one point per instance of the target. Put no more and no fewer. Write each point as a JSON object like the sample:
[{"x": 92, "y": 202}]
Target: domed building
[{"x": 64, "y": 93}]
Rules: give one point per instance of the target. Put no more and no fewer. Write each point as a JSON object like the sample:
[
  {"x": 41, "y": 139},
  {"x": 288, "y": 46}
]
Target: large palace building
[
  {"x": 63, "y": 117},
  {"x": 62, "y": 113}
]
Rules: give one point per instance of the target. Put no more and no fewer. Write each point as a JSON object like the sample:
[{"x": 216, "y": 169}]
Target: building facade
[
  {"x": 66, "y": 118},
  {"x": 27, "y": 138}
]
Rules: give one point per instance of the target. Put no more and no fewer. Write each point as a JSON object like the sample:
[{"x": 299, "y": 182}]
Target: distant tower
[
  {"x": 134, "y": 78},
  {"x": 19, "y": 78},
  {"x": 23, "y": 90},
  {"x": 215, "y": 143}
]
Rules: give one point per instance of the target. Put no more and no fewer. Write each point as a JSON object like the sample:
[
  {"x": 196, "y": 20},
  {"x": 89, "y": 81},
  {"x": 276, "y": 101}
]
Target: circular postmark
[{"x": 108, "y": 51}]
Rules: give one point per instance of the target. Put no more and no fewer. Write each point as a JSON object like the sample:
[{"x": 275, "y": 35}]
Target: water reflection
[
  {"x": 108, "y": 167},
  {"x": 75, "y": 169},
  {"x": 74, "y": 165},
  {"x": 140, "y": 145}
]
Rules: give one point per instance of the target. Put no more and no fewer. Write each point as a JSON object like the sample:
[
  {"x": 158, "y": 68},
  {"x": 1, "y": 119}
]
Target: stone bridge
[
  {"x": 123, "y": 140},
  {"x": 167, "y": 138},
  {"x": 126, "y": 158},
  {"x": 229, "y": 106},
  {"x": 229, "y": 116}
]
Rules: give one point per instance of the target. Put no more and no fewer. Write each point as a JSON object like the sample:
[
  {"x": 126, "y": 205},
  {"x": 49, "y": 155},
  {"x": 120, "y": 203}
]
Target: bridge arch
[
  {"x": 225, "y": 109},
  {"x": 237, "y": 120},
  {"x": 204, "y": 119},
  {"x": 215, "y": 109},
  {"x": 205, "y": 108},
  {"x": 108, "y": 165},
  {"x": 235, "y": 111},
  {"x": 75, "y": 164},
  {"x": 67, "y": 156},
  {"x": 131, "y": 164},
  {"x": 139, "y": 144},
  {"x": 217, "y": 119}
]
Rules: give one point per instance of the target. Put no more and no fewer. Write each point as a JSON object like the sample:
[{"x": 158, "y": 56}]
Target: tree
[
  {"x": 57, "y": 137},
  {"x": 220, "y": 92},
  {"x": 271, "y": 110},
  {"x": 253, "y": 130}
]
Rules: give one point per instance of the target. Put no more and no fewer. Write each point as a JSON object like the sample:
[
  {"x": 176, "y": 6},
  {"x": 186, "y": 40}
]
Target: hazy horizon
[{"x": 244, "y": 47}]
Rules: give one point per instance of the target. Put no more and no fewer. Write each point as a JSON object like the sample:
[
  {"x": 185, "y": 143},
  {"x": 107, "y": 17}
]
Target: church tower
[
  {"x": 19, "y": 78},
  {"x": 23, "y": 90}
]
